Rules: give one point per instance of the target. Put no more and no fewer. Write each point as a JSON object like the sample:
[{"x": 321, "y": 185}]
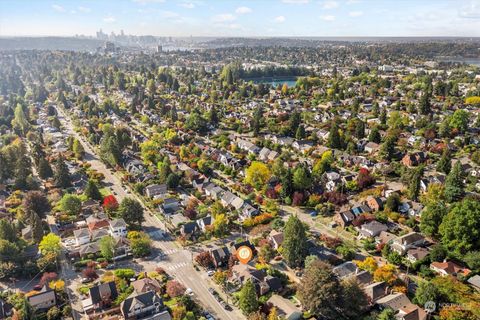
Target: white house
[{"x": 118, "y": 228}]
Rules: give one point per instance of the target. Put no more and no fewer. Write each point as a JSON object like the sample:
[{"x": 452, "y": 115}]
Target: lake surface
[
  {"x": 472, "y": 61},
  {"x": 290, "y": 81}
]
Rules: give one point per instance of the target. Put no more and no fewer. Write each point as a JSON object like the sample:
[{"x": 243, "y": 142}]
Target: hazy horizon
[{"x": 265, "y": 18}]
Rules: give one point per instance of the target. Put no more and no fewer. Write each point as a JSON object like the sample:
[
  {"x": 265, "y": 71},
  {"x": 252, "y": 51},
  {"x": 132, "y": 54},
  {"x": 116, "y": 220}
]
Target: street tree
[
  {"x": 131, "y": 211},
  {"x": 247, "y": 298},
  {"x": 295, "y": 242}
]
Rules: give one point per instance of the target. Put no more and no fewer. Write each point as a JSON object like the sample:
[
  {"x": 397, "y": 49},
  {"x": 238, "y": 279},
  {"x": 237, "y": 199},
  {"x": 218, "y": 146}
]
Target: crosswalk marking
[{"x": 177, "y": 266}]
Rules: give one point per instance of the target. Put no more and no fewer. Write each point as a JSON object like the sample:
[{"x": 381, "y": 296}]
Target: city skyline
[{"x": 291, "y": 18}]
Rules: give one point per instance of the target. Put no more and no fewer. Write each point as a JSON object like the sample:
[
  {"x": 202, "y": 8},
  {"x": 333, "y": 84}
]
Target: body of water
[
  {"x": 472, "y": 61},
  {"x": 290, "y": 81}
]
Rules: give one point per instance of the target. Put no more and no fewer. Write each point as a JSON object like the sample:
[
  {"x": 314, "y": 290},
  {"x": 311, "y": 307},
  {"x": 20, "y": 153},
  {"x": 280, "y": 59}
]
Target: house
[
  {"x": 344, "y": 219},
  {"x": 155, "y": 191},
  {"x": 449, "y": 268},
  {"x": 27, "y": 233},
  {"x": 103, "y": 295},
  {"x": 302, "y": 145},
  {"x": 345, "y": 269},
  {"x": 205, "y": 222},
  {"x": 385, "y": 237},
  {"x": 118, "y": 228},
  {"x": 247, "y": 211},
  {"x": 97, "y": 234},
  {"x": 414, "y": 159},
  {"x": 82, "y": 236},
  {"x": 43, "y": 300},
  {"x": 213, "y": 191},
  {"x": 372, "y": 229},
  {"x": 408, "y": 241},
  {"x": 376, "y": 290},
  {"x": 475, "y": 282},
  {"x": 146, "y": 284},
  {"x": 275, "y": 238},
  {"x": 141, "y": 305},
  {"x": 95, "y": 223},
  {"x": 404, "y": 309},
  {"x": 371, "y": 147},
  {"x": 375, "y": 203},
  {"x": 417, "y": 254},
  {"x": 220, "y": 256},
  {"x": 227, "y": 199},
  {"x": 285, "y": 308},
  {"x": 88, "y": 248},
  {"x": 235, "y": 246},
  {"x": 189, "y": 230},
  {"x": 169, "y": 206},
  {"x": 263, "y": 282},
  {"x": 122, "y": 248},
  {"x": 267, "y": 155}
]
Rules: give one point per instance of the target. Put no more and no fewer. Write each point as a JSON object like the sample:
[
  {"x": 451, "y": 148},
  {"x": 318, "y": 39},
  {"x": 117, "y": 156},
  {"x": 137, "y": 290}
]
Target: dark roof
[
  {"x": 220, "y": 254},
  {"x": 244, "y": 243},
  {"x": 190, "y": 227},
  {"x": 103, "y": 289},
  {"x": 147, "y": 299}
]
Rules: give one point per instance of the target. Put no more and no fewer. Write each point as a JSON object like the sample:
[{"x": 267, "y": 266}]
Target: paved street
[{"x": 177, "y": 261}]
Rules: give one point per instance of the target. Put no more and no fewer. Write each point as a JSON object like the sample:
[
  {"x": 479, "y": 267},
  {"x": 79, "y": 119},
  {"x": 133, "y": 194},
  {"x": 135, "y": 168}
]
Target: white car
[{"x": 189, "y": 292}]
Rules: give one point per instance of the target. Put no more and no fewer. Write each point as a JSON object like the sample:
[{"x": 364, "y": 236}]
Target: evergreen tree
[
  {"x": 334, "y": 139},
  {"x": 300, "y": 134},
  {"x": 77, "y": 149},
  {"x": 387, "y": 149},
  {"x": 92, "y": 192},
  {"x": 414, "y": 183},
  {"x": 295, "y": 242},
  {"x": 44, "y": 169},
  {"x": 37, "y": 227},
  {"x": 424, "y": 106},
  {"x": 454, "y": 188},
  {"x": 374, "y": 135},
  {"x": 247, "y": 298},
  {"x": 294, "y": 122},
  {"x": 383, "y": 116},
  {"x": 287, "y": 184},
  {"x": 445, "y": 163},
  {"x": 62, "y": 175}
]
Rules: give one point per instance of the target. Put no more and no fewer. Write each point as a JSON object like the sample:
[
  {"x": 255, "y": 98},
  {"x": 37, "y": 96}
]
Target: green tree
[
  {"x": 387, "y": 314},
  {"x": 62, "y": 176},
  {"x": 454, "y": 187},
  {"x": 320, "y": 291},
  {"x": 302, "y": 179},
  {"x": 445, "y": 163},
  {"x": 107, "y": 247},
  {"x": 426, "y": 291},
  {"x": 459, "y": 120},
  {"x": 432, "y": 217},
  {"x": 7, "y": 231},
  {"x": 424, "y": 106},
  {"x": 247, "y": 298},
  {"x": 77, "y": 149},
  {"x": 92, "y": 191},
  {"x": 20, "y": 121},
  {"x": 300, "y": 133},
  {"x": 51, "y": 243},
  {"x": 374, "y": 135},
  {"x": 295, "y": 242},
  {"x": 71, "y": 204},
  {"x": 460, "y": 229},
  {"x": 414, "y": 183},
  {"x": 334, "y": 138},
  {"x": 387, "y": 149},
  {"x": 131, "y": 211},
  {"x": 44, "y": 169}
]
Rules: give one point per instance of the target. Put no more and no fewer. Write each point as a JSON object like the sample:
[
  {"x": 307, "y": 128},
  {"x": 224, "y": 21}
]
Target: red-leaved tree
[
  {"x": 175, "y": 289},
  {"x": 110, "y": 203}
]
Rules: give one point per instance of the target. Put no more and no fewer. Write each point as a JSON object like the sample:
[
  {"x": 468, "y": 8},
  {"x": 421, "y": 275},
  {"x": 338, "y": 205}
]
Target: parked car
[
  {"x": 313, "y": 213},
  {"x": 189, "y": 292},
  {"x": 210, "y": 273},
  {"x": 86, "y": 280},
  {"x": 212, "y": 291}
]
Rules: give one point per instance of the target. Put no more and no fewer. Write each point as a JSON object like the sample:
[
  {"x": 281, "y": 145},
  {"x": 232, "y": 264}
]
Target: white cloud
[
  {"x": 187, "y": 5},
  {"x": 243, "y": 10},
  {"x": 224, "y": 17},
  {"x": 328, "y": 18},
  {"x": 330, "y": 5},
  {"x": 353, "y": 1},
  {"x": 471, "y": 11},
  {"x": 84, "y": 9},
  {"x": 109, "y": 19},
  {"x": 280, "y": 19},
  {"x": 355, "y": 13},
  {"x": 58, "y": 8},
  {"x": 296, "y": 1},
  {"x": 169, "y": 14}
]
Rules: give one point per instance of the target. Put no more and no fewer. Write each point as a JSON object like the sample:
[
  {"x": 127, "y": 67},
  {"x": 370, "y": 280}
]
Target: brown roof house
[
  {"x": 414, "y": 159},
  {"x": 404, "y": 309},
  {"x": 286, "y": 309},
  {"x": 449, "y": 268},
  {"x": 146, "y": 284}
]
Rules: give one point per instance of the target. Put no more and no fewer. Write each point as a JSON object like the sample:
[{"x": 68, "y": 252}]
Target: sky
[{"x": 241, "y": 18}]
